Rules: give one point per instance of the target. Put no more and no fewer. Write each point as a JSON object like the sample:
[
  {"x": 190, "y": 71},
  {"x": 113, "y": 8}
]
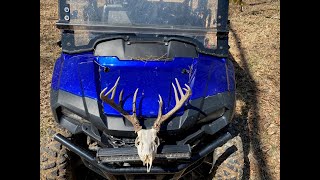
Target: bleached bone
[{"x": 147, "y": 140}]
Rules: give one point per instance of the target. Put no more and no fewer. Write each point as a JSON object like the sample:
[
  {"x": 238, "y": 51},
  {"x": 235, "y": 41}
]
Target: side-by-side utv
[{"x": 146, "y": 91}]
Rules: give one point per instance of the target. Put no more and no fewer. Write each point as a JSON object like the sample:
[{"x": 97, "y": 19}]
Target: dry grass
[
  {"x": 255, "y": 48},
  {"x": 49, "y": 52}
]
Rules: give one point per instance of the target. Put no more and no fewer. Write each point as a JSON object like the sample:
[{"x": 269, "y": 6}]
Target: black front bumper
[{"x": 109, "y": 171}]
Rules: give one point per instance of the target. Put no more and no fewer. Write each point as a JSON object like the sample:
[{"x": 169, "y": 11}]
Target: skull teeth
[{"x": 149, "y": 167}]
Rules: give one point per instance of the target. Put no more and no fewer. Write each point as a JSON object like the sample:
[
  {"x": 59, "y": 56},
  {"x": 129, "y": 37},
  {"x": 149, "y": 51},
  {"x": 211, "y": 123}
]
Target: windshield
[
  {"x": 89, "y": 20},
  {"x": 168, "y": 14}
]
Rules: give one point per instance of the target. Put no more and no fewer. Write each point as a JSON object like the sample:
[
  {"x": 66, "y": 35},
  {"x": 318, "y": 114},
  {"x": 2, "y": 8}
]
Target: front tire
[
  {"x": 54, "y": 161},
  {"x": 229, "y": 160}
]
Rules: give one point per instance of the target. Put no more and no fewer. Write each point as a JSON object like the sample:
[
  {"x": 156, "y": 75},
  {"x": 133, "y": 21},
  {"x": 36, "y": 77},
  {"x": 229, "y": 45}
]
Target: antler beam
[{"x": 118, "y": 107}]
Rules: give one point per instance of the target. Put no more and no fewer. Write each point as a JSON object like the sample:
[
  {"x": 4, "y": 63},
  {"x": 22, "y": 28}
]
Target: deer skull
[
  {"x": 147, "y": 140},
  {"x": 147, "y": 143}
]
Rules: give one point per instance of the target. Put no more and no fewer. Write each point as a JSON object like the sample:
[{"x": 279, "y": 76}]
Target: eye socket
[
  {"x": 157, "y": 141},
  {"x": 137, "y": 142}
]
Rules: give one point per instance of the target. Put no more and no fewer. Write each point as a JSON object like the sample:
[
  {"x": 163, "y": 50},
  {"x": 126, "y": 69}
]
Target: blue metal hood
[
  {"x": 151, "y": 77},
  {"x": 87, "y": 75}
]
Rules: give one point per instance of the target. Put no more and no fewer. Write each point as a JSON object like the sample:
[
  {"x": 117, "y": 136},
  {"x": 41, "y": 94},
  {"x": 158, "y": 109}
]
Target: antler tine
[
  {"x": 113, "y": 90},
  {"x": 160, "y": 106},
  {"x": 120, "y": 97},
  {"x": 134, "y": 102},
  {"x": 161, "y": 118},
  {"x": 175, "y": 92},
  {"x": 179, "y": 87},
  {"x": 118, "y": 107}
]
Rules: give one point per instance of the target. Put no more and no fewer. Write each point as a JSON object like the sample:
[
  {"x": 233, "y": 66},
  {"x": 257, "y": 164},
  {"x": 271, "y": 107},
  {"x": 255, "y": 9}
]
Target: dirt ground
[{"x": 255, "y": 49}]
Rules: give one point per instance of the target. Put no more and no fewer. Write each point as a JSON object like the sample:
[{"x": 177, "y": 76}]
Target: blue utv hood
[{"x": 87, "y": 75}]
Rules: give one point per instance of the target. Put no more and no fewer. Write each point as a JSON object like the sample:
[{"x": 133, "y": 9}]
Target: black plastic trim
[
  {"x": 145, "y": 50},
  {"x": 87, "y": 156},
  {"x": 91, "y": 110}
]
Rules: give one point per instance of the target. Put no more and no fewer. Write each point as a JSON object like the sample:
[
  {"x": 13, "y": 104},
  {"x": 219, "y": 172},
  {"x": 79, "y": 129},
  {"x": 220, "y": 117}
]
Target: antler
[
  {"x": 132, "y": 118},
  {"x": 161, "y": 118}
]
